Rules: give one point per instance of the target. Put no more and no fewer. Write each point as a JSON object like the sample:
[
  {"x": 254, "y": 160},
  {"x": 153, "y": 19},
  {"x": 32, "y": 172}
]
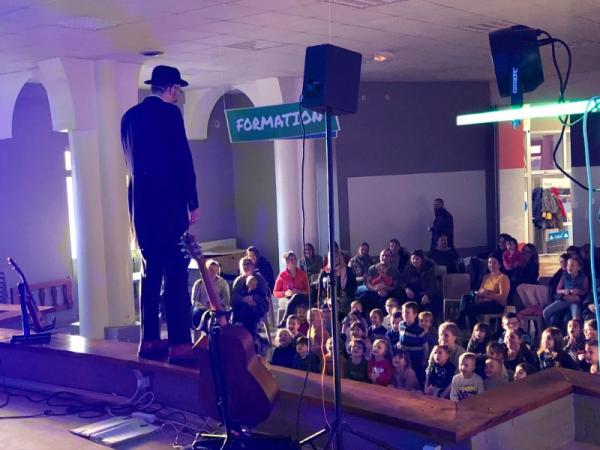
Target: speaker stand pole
[{"x": 338, "y": 426}]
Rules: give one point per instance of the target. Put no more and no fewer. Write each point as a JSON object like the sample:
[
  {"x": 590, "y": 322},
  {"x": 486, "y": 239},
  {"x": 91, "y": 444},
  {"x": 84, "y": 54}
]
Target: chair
[
  {"x": 533, "y": 294},
  {"x": 454, "y": 286}
]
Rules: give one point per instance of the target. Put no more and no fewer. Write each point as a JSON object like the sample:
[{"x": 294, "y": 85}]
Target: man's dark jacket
[{"x": 162, "y": 185}]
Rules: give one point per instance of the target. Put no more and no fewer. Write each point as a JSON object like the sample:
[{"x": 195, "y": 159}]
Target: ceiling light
[
  {"x": 151, "y": 53},
  {"x": 383, "y": 56},
  {"x": 526, "y": 112}
]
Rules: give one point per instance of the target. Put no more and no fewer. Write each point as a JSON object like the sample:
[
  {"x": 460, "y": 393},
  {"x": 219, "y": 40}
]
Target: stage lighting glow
[{"x": 531, "y": 111}]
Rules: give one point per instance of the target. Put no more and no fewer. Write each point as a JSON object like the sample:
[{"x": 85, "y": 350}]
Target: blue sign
[{"x": 557, "y": 236}]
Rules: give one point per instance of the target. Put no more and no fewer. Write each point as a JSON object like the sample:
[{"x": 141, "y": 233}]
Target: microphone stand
[{"x": 338, "y": 426}]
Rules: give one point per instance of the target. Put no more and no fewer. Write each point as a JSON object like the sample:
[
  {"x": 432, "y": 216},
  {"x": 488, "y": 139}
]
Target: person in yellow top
[{"x": 489, "y": 299}]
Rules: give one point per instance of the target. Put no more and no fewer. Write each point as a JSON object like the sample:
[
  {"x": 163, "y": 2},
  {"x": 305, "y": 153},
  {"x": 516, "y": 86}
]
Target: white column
[
  {"x": 91, "y": 267},
  {"x": 114, "y": 196},
  {"x": 10, "y": 87}
]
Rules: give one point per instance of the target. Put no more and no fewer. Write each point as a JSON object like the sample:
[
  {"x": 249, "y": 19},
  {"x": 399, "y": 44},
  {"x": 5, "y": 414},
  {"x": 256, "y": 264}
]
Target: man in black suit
[
  {"x": 443, "y": 223},
  {"x": 163, "y": 202}
]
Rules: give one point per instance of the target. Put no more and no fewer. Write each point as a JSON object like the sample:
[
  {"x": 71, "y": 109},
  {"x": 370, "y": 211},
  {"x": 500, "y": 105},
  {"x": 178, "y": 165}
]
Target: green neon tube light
[{"x": 526, "y": 112}]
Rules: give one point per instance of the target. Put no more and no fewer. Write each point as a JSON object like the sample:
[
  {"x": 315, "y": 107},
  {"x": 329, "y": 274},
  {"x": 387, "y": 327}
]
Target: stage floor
[{"x": 52, "y": 433}]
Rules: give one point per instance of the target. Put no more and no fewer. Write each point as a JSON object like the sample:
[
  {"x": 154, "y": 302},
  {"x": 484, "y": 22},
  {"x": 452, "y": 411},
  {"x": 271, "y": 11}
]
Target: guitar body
[{"x": 250, "y": 388}]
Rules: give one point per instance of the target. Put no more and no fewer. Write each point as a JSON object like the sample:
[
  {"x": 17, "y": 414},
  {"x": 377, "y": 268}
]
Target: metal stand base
[
  {"x": 243, "y": 441},
  {"x": 340, "y": 429},
  {"x": 31, "y": 339}
]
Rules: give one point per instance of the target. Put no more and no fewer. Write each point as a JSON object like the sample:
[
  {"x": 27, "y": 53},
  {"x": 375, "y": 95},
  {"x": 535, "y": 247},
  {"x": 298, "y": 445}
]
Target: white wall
[
  {"x": 383, "y": 207},
  {"x": 511, "y": 198}
]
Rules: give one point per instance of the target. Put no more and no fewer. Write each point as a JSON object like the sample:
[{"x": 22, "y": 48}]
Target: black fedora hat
[{"x": 165, "y": 75}]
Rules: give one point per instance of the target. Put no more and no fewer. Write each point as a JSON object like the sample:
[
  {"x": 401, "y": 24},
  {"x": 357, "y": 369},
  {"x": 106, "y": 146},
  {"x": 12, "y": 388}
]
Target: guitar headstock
[{"x": 191, "y": 246}]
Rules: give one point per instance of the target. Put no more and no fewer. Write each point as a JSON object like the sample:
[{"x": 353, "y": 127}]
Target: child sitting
[
  {"x": 412, "y": 338},
  {"x": 359, "y": 332},
  {"x": 512, "y": 258},
  {"x": 328, "y": 359},
  {"x": 493, "y": 374},
  {"x": 393, "y": 334},
  {"x": 376, "y": 329},
  {"x": 448, "y": 335},
  {"x": 466, "y": 383},
  {"x": 523, "y": 370},
  {"x": 379, "y": 366},
  {"x": 431, "y": 334},
  {"x": 251, "y": 283},
  {"x": 404, "y": 376},
  {"x": 283, "y": 355},
  {"x": 591, "y": 356},
  {"x": 551, "y": 353},
  {"x": 479, "y": 339},
  {"x": 293, "y": 326},
  {"x": 439, "y": 373},
  {"x": 390, "y": 304},
  {"x": 590, "y": 330},
  {"x": 303, "y": 325},
  {"x": 496, "y": 351},
  {"x": 510, "y": 321},
  {"x": 355, "y": 315},
  {"x": 305, "y": 359},
  {"x": 574, "y": 341},
  {"x": 357, "y": 366},
  {"x": 572, "y": 289},
  {"x": 383, "y": 280},
  {"x": 317, "y": 333}
]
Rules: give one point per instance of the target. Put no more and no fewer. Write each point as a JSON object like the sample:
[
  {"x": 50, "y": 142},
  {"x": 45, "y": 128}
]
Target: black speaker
[
  {"x": 331, "y": 79},
  {"x": 517, "y": 60}
]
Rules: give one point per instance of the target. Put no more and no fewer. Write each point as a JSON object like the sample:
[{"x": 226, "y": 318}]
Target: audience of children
[{"x": 401, "y": 348}]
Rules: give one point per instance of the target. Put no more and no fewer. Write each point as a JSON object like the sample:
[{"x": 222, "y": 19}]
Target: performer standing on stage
[{"x": 163, "y": 202}]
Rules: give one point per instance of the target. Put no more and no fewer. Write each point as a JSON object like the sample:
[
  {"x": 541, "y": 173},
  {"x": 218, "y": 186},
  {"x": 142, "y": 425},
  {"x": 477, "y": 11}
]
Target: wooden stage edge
[{"x": 109, "y": 367}]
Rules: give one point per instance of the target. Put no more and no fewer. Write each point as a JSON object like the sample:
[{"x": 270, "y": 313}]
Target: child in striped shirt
[{"x": 412, "y": 339}]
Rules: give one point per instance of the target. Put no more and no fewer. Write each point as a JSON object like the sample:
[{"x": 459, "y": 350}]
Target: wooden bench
[{"x": 39, "y": 291}]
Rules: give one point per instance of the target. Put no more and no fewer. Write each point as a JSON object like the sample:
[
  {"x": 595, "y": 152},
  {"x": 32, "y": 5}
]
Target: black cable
[
  {"x": 561, "y": 99},
  {"x": 303, "y": 244}
]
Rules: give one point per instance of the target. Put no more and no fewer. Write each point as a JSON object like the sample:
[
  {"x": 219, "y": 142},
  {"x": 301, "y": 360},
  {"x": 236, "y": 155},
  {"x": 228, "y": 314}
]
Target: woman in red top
[{"x": 292, "y": 284}]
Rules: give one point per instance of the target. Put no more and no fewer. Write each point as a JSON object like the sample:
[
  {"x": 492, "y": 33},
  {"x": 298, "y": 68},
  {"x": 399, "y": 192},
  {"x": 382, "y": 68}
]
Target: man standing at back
[
  {"x": 443, "y": 223},
  {"x": 163, "y": 202}
]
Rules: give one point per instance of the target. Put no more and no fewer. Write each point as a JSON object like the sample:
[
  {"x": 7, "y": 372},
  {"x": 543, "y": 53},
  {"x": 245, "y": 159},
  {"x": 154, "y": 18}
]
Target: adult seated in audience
[
  {"x": 443, "y": 223},
  {"x": 361, "y": 262},
  {"x": 584, "y": 254},
  {"x": 573, "y": 250},
  {"x": 571, "y": 291},
  {"x": 200, "y": 296},
  {"x": 249, "y": 302},
  {"x": 400, "y": 255},
  {"x": 419, "y": 283},
  {"x": 516, "y": 352},
  {"x": 345, "y": 285},
  {"x": 262, "y": 266},
  {"x": 489, "y": 299},
  {"x": 530, "y": 270},
  {"x": 311, "y": 263},
  {"x": 503, "y": 239},
  {"x": 377, "y": 294},
  {"x": 444, "y": 255},
  {"x": 292, "y": 284}
]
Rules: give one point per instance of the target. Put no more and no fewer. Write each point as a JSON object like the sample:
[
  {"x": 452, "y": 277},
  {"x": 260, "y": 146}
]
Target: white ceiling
[{"x": 209, "y": 39}]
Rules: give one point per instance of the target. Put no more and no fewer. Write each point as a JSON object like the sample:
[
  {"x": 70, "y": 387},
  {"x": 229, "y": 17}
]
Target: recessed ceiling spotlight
[
  {"x": 383, "y": 57},
  {"x": 151, "y": 53}
]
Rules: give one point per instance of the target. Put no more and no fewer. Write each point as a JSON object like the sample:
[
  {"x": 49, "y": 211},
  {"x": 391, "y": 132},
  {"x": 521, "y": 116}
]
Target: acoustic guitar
[
  {"x": 38, "y": 322},
  {"x": 251, "y": 390}
]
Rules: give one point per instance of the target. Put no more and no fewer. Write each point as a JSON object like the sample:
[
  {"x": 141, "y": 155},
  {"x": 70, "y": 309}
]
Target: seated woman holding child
[
  {"x": 418, "y": 280},
  {"x": 489, "y": 299},
  {"x": 345, "y": 283},
  {"x": 446, "y": 256},
  {"x": 291, "y": 284},
  {"x": 249, "y": 297}
]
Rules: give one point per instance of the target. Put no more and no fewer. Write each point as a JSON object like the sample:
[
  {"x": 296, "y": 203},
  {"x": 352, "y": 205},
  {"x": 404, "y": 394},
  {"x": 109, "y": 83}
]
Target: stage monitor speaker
[
  {"x": 331, "y": 79},
  {"x": 517, "y": 60}
]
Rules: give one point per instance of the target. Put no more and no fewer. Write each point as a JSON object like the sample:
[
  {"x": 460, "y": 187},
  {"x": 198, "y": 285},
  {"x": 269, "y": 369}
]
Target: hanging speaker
[{"x": 331, "y": 79}]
